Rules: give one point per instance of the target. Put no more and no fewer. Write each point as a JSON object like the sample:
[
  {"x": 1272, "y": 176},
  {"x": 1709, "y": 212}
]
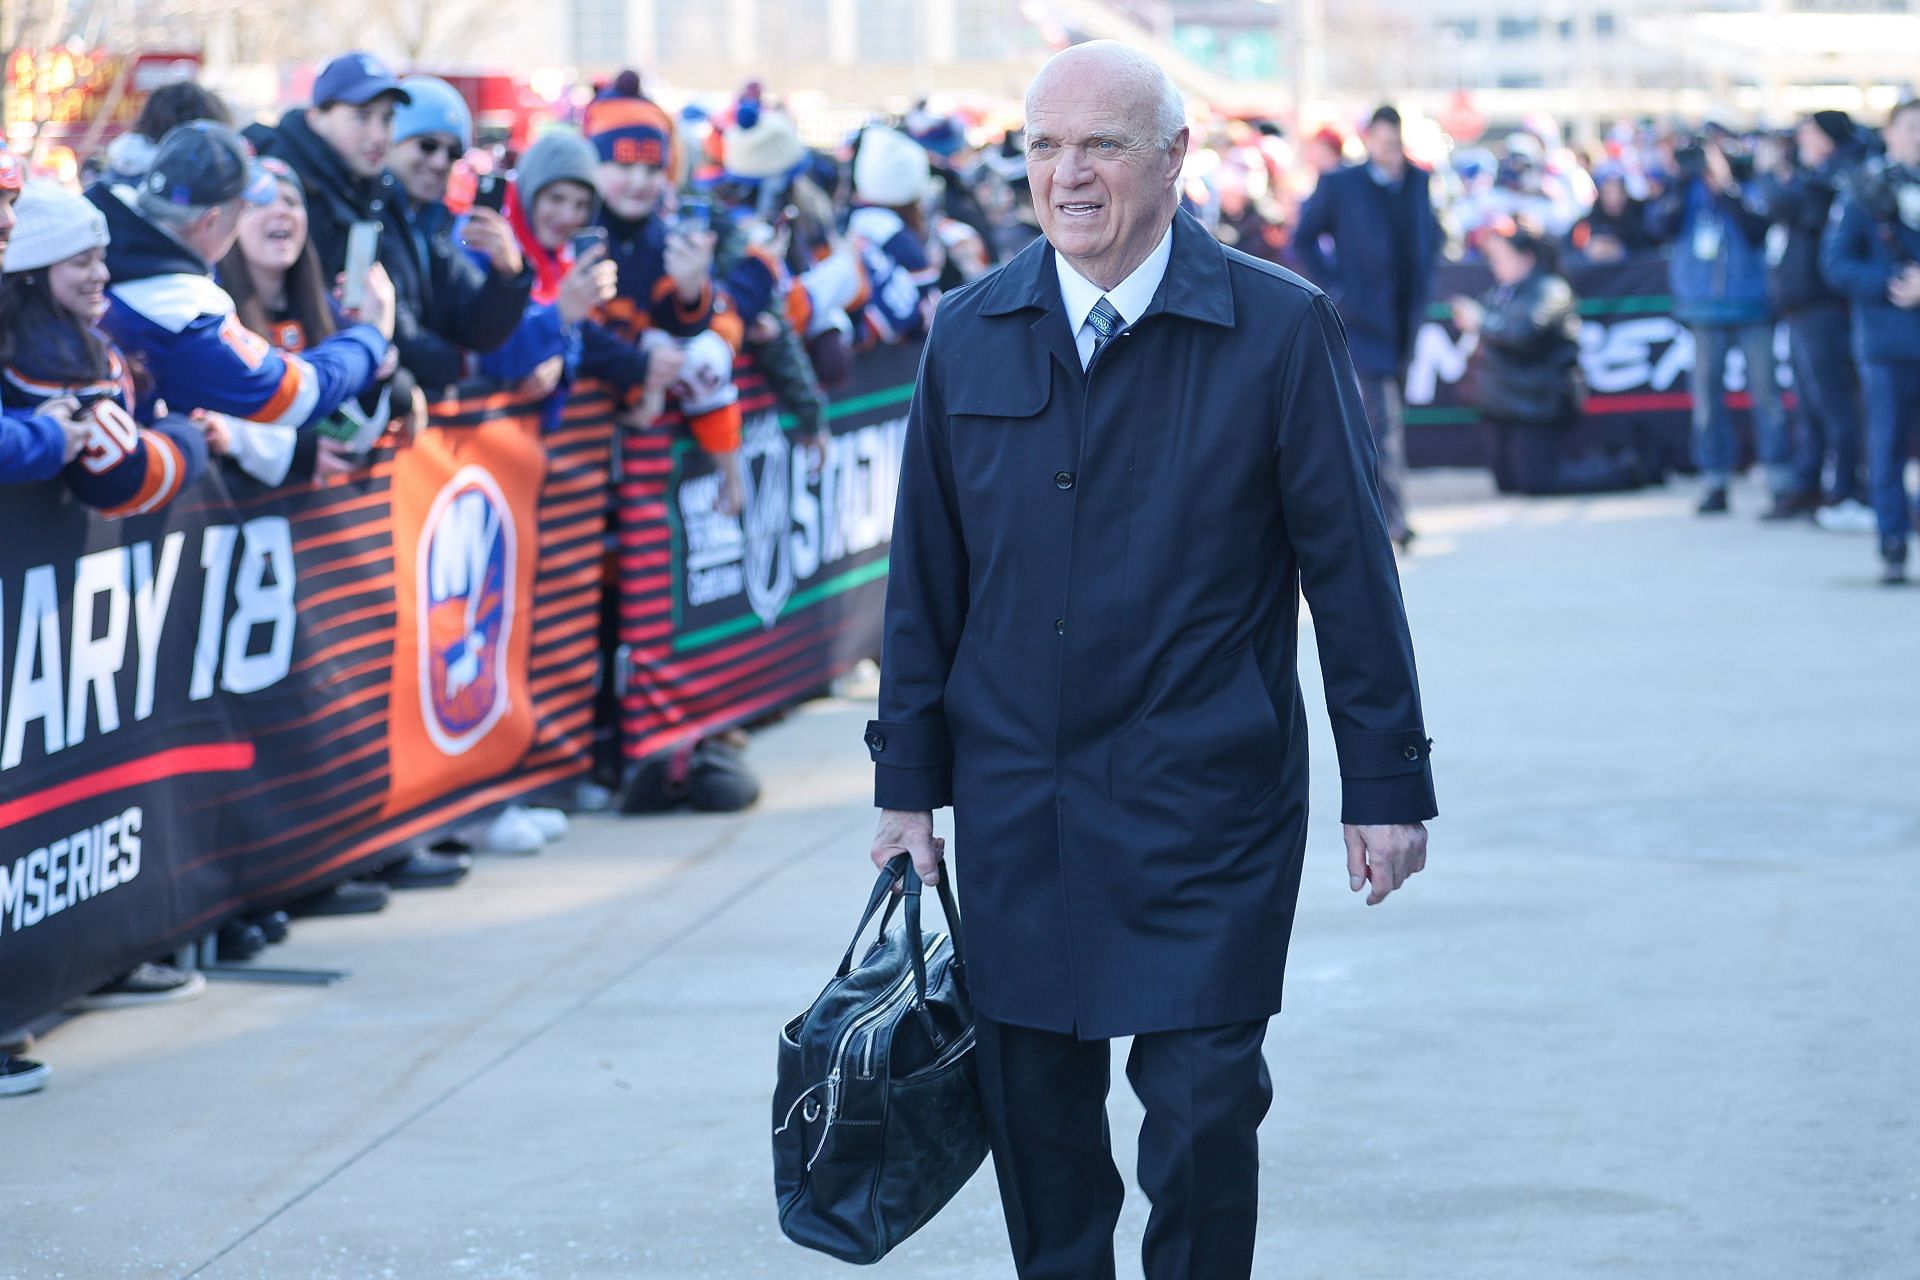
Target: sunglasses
[{"x": 431, "y": 147}]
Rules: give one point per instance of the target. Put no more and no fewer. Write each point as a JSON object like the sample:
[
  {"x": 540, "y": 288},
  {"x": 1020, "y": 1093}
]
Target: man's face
[
  {"x": 423, "y": 165},
  {"x": 1902, "y": 136},
  {"x": 1813, "y": 144},
  {"x": 630, "y": 191},
  {"x": 1103, "y": 183},
  {"x": 1385, "y": 149},
  {"x": 360, "y": 135},
  {"x": 7, "y": 220}
]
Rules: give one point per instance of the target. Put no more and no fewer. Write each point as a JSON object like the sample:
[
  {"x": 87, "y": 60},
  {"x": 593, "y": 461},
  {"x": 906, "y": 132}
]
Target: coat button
[
  {"x": 1063, "y": 479},
  {"x": 1060, "y": 625},
  {"x": 877, "y": 740},
  {"x": 1411, "y": 753}
]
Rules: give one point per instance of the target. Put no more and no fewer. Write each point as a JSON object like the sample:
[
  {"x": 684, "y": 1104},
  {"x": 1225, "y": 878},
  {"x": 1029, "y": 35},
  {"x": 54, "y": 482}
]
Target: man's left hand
[{"x": 1383, "y": 857}]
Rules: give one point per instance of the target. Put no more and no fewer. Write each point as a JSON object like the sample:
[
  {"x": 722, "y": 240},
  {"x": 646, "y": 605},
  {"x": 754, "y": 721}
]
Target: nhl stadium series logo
[
  {"x": 767, "y": 517},
  {"x": 466, "y": 575}
]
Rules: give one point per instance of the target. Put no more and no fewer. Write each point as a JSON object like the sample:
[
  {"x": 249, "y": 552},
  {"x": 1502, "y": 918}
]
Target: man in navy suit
[
  {"x": 1129, "y": 450},
  {"x": 1367, "y": 235}
]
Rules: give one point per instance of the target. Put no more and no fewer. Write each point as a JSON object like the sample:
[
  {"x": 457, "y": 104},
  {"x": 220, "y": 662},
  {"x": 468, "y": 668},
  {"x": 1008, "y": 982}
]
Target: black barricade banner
[
  {"x": 253, "y": 692},
  {"x": 724, "y": 618}
]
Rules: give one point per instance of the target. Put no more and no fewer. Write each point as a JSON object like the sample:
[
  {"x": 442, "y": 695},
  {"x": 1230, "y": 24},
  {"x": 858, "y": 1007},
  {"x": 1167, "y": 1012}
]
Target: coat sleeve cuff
[
  {"x": 1386, "y": 802},
  {"x": 1385, "y": 778},
  {"x": 912, "y": 764}
]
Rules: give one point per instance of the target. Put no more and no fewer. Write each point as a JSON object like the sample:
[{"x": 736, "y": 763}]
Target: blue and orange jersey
[
  {"x": 125, "y": 468},
  {"x": 646, "y": 298},
  {"x": 167, "y": 311},
  {"x": 903, "y": 284}
]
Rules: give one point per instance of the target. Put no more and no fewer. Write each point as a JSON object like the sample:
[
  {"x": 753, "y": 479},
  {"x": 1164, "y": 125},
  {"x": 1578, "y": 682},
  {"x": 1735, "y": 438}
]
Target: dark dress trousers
[{"x": 1091, "y": 639}]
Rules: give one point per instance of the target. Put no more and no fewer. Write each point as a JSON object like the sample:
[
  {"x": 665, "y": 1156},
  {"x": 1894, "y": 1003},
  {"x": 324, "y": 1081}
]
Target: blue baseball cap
[
  {"x": 203, "y": 163},
  {"x": 356, "y": 79}
]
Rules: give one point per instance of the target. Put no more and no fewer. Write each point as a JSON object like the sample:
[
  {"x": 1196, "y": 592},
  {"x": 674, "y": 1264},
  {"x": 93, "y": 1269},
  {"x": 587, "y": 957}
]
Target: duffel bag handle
[
  {"x": 915, "y": 948},
  {"x": 882, "y": 887}
]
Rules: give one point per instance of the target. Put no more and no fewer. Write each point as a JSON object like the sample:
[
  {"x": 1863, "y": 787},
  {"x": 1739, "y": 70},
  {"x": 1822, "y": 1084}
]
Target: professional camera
[{"x": 1890, "y": 194}]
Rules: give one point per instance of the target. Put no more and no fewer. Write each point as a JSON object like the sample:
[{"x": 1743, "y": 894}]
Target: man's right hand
[
  {"x": 1903, "y": 290},
  {"x": 488, "y": 234},
  {"x": 910, "y": 833}
]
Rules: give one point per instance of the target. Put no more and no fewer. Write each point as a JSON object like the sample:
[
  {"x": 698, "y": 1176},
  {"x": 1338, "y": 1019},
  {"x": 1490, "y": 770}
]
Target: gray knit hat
[{"x": 558, "y": 156}]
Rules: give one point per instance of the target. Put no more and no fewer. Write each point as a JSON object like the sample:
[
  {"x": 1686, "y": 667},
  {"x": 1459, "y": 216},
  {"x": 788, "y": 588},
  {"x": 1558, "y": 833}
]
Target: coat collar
[{"x": 1195, "y": 286}]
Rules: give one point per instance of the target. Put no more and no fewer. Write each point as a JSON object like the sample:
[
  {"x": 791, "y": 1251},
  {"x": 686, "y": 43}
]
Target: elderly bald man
[{"x": 1129, "y": 451}]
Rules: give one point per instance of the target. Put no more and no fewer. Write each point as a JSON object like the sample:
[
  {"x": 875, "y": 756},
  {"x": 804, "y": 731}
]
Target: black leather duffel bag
[{"x": 876, "y": 1115}]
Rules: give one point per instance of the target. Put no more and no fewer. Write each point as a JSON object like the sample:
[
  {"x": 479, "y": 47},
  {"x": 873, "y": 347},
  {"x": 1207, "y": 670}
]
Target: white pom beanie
[
  {"x": 891, "y": 169},
  {"x": 51, "y": 225}
]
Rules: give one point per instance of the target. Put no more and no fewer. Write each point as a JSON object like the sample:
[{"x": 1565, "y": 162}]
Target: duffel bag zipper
[{"x": 874, "y": 1013}]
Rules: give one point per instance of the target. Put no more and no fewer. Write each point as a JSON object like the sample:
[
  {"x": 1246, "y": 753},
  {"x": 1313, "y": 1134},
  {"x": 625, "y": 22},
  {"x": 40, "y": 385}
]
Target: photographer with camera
[
  {"x": 1719, "y": 280},
  {"x": 1871, "y": 253},
  {"x": 1797, "y": 199}
]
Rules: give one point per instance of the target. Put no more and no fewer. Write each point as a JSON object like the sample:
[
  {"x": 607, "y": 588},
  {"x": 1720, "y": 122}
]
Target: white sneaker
[
  {"x": 591, "y": 797},
  {"x": 509, "y": 831},
  {"x": 19, "y": 1075},
  {"x": 1850, "y": 516},
  {"x": 552, "y": 822}
]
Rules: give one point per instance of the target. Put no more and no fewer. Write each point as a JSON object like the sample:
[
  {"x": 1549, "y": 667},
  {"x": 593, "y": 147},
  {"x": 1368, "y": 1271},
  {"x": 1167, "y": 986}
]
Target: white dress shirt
[{"x": 1131, "y": 297}]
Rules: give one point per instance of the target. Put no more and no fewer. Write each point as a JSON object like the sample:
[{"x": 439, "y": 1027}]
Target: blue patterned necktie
[{"x": 1105, "y": 321}]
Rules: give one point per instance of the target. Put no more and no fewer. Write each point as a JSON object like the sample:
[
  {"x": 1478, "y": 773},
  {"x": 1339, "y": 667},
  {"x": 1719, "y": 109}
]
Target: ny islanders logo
[{"x": 466, "y": 575}]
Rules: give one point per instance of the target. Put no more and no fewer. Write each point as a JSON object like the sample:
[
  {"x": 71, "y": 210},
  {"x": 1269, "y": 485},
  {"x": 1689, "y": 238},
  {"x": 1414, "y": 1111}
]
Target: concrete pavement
[{"x": 1650, "y": 1012}]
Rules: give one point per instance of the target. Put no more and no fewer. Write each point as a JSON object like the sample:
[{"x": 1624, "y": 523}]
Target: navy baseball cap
[
  {"x": 202, "y": 163},
  {"x": 357, "y": 79}
]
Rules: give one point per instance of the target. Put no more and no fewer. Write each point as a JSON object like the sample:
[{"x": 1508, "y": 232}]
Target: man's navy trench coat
[{"x": 1092, "y": 630}]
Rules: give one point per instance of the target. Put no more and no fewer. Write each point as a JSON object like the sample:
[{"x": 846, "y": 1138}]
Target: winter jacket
[
  {"x": 1858, "y": 260},
  {"x": 128, "y": 467},
  {"x": 646, "y": 297},
  {"x": 1798, "y": 209},
  {"x": 31, "y": 447},
  {"x": 1526, "y": 368},
  {"x": 588, "y": 349},
  {"x": 336, "y": 197},
  {"x": 1718, "y": 275},
  {"x": 448, "y": 303},
  {"x": 166, "y": 312},
  {"x": 1379, "y": 273}
]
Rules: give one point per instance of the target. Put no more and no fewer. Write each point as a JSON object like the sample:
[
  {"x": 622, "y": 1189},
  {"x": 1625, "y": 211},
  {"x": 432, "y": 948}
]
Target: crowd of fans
[{"x": 275, "y": 299}]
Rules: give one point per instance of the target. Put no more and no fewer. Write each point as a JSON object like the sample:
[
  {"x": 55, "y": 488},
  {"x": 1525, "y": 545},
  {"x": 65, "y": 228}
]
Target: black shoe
[
  {"x": 1893, "y": 573},
  {"x": 240, "y": 940},
  {"x": 144, "y": 984},
  {"x": 349, "y": 898},
  {"x": 275, "y": 925},
  {"x": 1712, "y": 503},
  {"x": 427, "y": 870},
  {"x": 1791, "y": 506},
  {"x": 21, "y": 1075},
  {"x": 719, "y": 781},
  {"x": 654, "y": 788}
]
